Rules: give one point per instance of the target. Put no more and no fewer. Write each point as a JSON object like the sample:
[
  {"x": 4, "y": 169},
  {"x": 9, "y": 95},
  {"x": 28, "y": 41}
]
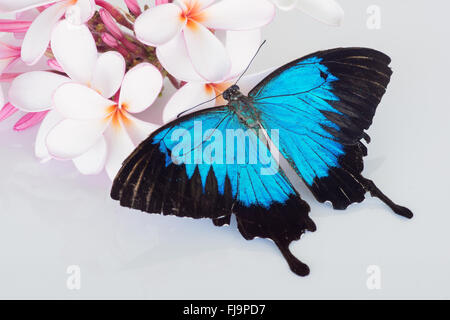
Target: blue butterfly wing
[
  {"x": 179, "y": 170},
  {"x": 321, "y": 104}
]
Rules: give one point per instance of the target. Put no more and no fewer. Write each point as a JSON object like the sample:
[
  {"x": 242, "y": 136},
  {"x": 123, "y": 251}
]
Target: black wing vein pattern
[
  {"x": 322, "y": 104},
  {"x": 154, "y": 180}
]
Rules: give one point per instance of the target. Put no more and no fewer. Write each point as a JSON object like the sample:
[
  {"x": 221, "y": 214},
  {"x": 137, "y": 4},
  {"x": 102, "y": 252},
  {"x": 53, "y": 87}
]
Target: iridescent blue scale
[{"x": 216, "y": 162}]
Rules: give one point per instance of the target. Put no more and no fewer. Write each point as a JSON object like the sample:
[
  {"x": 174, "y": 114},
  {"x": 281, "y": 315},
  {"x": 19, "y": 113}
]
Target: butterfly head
[{"x": 233, "y": 93}]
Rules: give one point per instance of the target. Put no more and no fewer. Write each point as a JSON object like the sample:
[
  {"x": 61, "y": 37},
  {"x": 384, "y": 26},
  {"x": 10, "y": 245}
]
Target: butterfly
[{"x": 317, "y": 108}]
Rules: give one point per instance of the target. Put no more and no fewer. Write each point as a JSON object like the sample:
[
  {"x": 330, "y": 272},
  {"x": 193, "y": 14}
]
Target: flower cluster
[{"x": 86, "y": 70}]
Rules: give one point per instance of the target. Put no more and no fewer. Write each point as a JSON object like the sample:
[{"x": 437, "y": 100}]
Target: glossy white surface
[{"x": 51, "y": 217}]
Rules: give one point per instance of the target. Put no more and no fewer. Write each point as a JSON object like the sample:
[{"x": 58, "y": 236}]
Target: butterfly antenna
[
  {"x": 243, "y": 73},
  {"x": 251, "y": 61},
  {"x": 181, "y": 113}
]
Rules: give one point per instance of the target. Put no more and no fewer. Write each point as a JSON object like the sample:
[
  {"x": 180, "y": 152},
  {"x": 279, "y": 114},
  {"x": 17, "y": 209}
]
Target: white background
[{"x": 52, "y": 217}]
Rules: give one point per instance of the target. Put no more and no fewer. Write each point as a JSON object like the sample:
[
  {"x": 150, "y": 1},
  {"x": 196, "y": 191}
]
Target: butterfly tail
[
  {"x": 370, "y": 186},
  {"x": 282, "y": 222}
]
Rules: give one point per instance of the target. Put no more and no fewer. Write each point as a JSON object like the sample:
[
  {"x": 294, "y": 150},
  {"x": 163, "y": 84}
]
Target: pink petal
[
  {"x": 93, "y": 161},
  {"x": 28, "y": 15},
  {"x": 7, "y": 111},
  {"x": 2, "y": 98},
  {"x": 9, "y": 51},
  {"x": 53, "y": 63},
  {"x": 140, "y": 87},
  {"x": 207, "y": 53},
  {"x": 110, "y": 24},
  {"x": 14, "y": 25},
  {"x": 159, "y": 25},
  {"x": 29, "y": 120},
  {"x": 108, "y": 73},
  {"x": 120, "y": 147},
  {"x": 157, "y": 2},
  {"x": 6, "y": 63},
  {"x": 174, "y": 57},
  {"x": 39, "y": 87},
  {"x": 8, "y": 77},
  {"x": 188, "y": 96},
  {"x": 238, "y": 14},
  {"x": 135, "y": 9},
  {"x": 326, "y": 11},
  {"x": 72, "y": 138},
  {"x": 38, "y": 35},
  {"x": 109, "y": 40},
  {"x": 79, "y": 102},
  {"x": 75, "y": 49}
]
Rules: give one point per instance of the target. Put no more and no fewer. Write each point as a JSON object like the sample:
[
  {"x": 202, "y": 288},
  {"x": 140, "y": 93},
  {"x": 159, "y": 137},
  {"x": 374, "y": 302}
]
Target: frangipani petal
[
  {"x": 70, "y": 139},
  {"x": 188, "y": 96},
  {"x": 108, "y": 73},
  {"x": 139, "y": 130},
  {"x": 286, "y": 5},
  {"x": 141, "y": 86},
  {"x": 93, "y": 161},
  {"x": 242, "y": 47},
  {"x": 21, "y": 5},
  {"x": 33, "y": 91},
  {"x": 238, "y": 14},
  {"x": 28, "y": 15},
  {"x": 199, "y": 4},
  {"x": 159, "y": 24},
  {"x": 326, "y": 11},
  {"x": 120, "y": 147},
  {"x": 78, "y": 102},
  {"x": 248, "y": 82},
  {"x": 49, "y": 122},
  {"x": 86, "y": 9},
  {"x": 207, "y": 53},
  {"x": 38, "y": 35},
  {"x": 75, "y": 50},
  {"x": 174, "y": 57}
]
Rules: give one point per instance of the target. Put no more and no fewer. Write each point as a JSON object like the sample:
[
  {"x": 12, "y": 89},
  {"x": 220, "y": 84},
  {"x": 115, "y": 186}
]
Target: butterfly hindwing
[
  {"x": 322, "y": 104},
  {"x": 173, "y": 172}
]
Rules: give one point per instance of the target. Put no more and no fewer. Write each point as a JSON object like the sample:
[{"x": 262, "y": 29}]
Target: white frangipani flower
[
  {"x": 184, "y": 33},
  {"x": 326, "y": 11},
  {"x": 241, "y": 47},
  {"x": 73, "y": 101},
  {"x": 38, "y": 35},
  {"x": 90, "y": 119}
]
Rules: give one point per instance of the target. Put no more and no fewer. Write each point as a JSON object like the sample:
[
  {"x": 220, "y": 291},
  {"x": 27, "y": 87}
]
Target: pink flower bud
[
  {"x": 29, "y": 120},
  {"x": 133, "y": 6},
  {"x": 110, "y": 24},
  {"x": 158, "y": 2},
  {"x": 119, "y": 17},
  {"x": 7, "y": 111},
  {"x": 109, "y": 40},
  {"x": 17, "y": 26},
  {"x": 8, "y": 77},
  {"x": 52, "y": 63}
]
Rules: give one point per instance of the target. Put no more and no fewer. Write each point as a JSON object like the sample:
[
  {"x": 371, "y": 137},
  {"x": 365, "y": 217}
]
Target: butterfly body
[
  {"x": 243, "y": 107},
  {"x": 217, "y": 162}
]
